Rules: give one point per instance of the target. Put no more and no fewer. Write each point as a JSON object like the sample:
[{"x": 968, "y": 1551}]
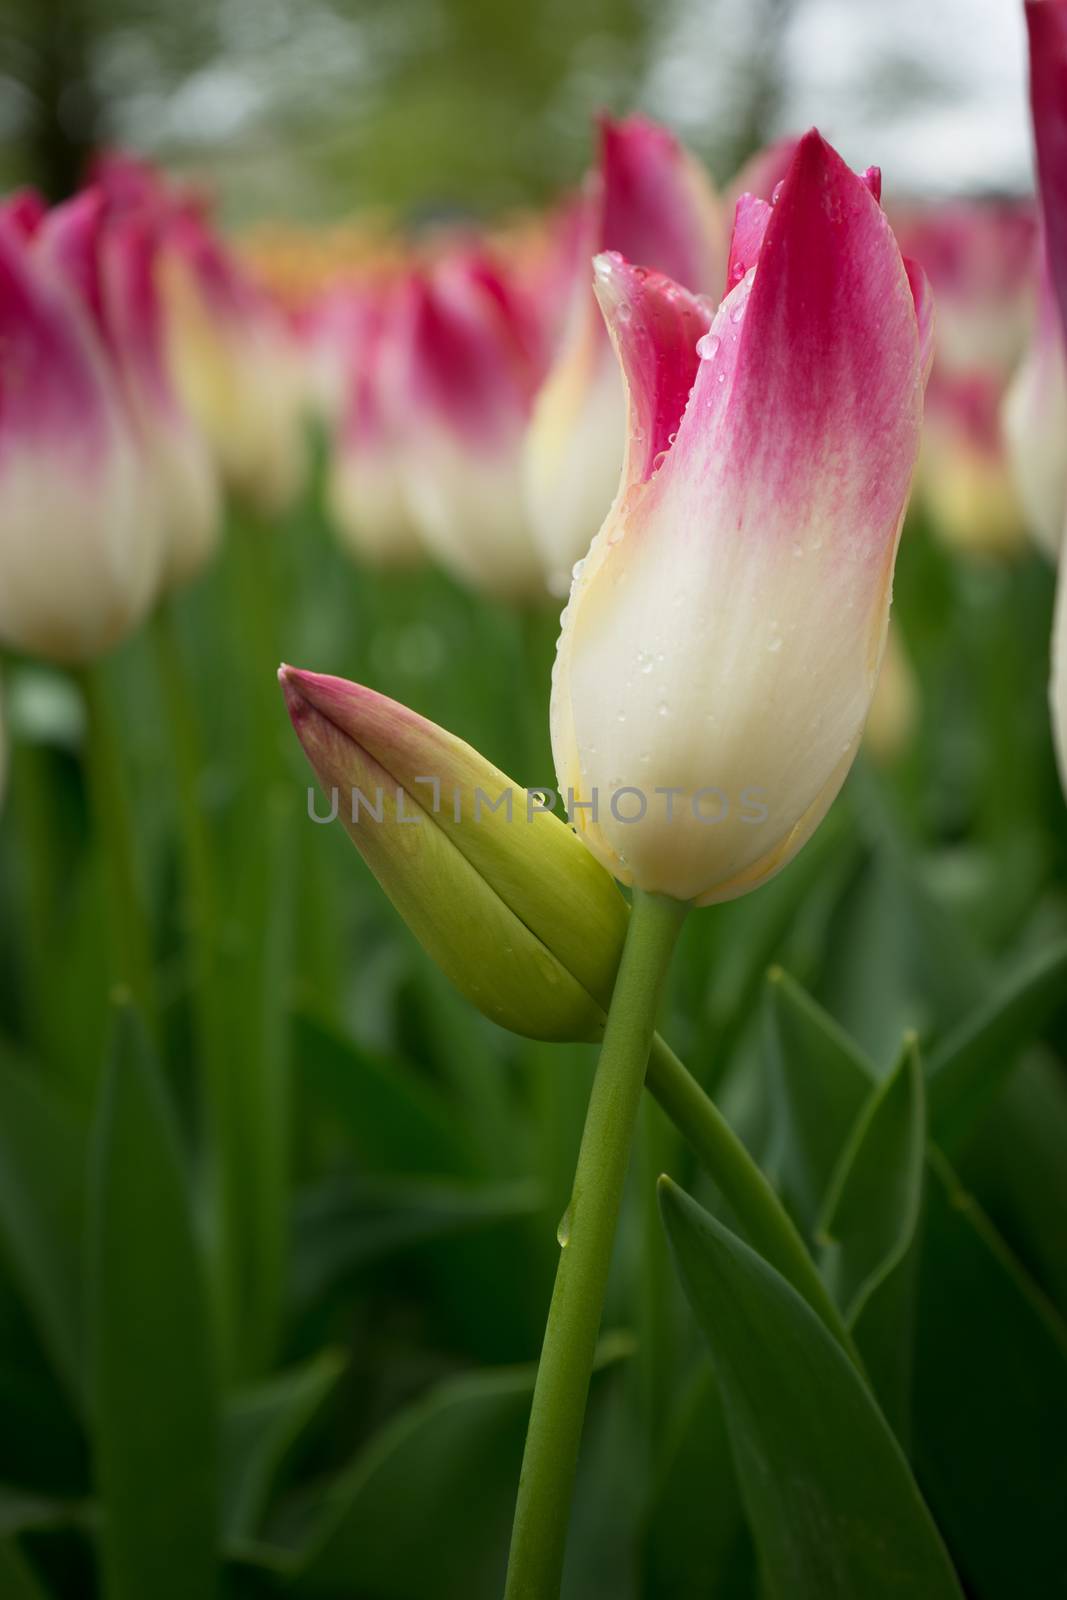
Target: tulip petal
[
  {"x": 726, "y": 630},
  {"x": 655, "y": 326},
  {"x": 1046, "y": 22}
]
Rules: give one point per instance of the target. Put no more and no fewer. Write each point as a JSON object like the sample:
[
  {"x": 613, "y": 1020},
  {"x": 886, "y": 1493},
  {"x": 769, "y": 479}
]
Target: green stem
[
  {"x": 539, "y": 1534},
  {"x": 131, "y": 945},
  {"x": 201, "y": 944},
  {"x": 760, "y": 1213}
]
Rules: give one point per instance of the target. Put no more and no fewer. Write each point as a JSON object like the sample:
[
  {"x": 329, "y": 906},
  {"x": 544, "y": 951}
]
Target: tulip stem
[
  {"x": 535, "y": 1566},
  {"x": 759, "y": 1212},
  {"x": 131, "y": 943}
]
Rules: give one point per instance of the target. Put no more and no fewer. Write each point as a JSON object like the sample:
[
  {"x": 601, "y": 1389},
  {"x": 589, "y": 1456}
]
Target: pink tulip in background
[
  {"x": 82, "y": 548},
  {"x": 650, "y": 200}
]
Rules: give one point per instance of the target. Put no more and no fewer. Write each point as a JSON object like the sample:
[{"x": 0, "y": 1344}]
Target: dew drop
[
  {"x": 563, "y": 1232},
  {"x": 625, "y": 312},
  {"x": 708, "y": 346}
]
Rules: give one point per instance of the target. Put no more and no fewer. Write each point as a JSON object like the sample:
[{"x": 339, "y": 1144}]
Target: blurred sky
[{"x": 311, "y": 107}]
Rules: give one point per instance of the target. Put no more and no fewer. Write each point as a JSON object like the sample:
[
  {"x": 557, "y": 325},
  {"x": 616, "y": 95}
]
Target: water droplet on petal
[{"x": 708, "y": 346}]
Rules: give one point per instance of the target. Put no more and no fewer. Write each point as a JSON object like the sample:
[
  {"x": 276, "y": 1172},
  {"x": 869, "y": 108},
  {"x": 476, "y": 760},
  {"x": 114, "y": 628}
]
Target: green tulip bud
[{"x": 503, "y": 896}]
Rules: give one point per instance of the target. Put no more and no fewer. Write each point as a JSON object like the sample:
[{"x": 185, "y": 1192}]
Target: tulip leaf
[
  {"x": 348, "y": 1223},
  {"x": 990, "y": 1402},
  {"x": 152, "y": 1369},
  {"x": 259, "y": 1426},
  {"x": 820, "y": 1082},
  {"x": 1014, "y": 1161},
  {"x": 870, "y": 1232},
  {"x": 698, "y": 1543},
  {"x": 398, "y": 1523},
  {"x": 397, "y": 1121},
  {"x": 971, "y": 1063},
  {"x": 41, "y": 1202},
  {"x": 833, "y": 1506},
  {"x": 17, "y": 1578}
]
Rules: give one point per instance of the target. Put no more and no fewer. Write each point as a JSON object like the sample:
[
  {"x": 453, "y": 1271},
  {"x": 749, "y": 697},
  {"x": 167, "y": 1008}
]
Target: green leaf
[
  {"x": 820, "y": 1082},
  {"x": 972, "y": 1062},
  {"x": 1014, "y": 1163},
  {"x": 833, "y": 1506},
  {"x": 41, "y": 1204},
  {"x": 697, "y": 1542},
  {"x": 17, "y": 1579},
  {"x": 990, "y": 1403},
  {"x": 154, "y": 1400},
  {"x": 396, "y": 1121},
  {"x": 347, "y": 1222},
  {"x": 259, "y": 1427},
  {"x": 871, "y": 1230},
  {"x": 426, "y": 1506}
]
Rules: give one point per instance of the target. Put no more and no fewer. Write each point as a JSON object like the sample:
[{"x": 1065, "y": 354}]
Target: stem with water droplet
[{"x": 539, "y": 1534}]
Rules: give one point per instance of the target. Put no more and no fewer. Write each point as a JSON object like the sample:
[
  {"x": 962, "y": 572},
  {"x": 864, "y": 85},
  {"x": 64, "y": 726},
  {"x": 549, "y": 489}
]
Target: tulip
[
  {"x": 721, "y": 645},
  {"x": 236, "y": 366},
  {"x": 978, "y": 256},
  {"x": 366, "y": 485},
  {"x": 530, "y": 931},
  {"x": 1047, "y": 24},
  {"x": 1034, "y": 423},
  {"x": 110, "y": 255},
  {"x": 470, "y": 359},
  {"x": 80, "y": 544},
  {"x": 653, "y": 203}
]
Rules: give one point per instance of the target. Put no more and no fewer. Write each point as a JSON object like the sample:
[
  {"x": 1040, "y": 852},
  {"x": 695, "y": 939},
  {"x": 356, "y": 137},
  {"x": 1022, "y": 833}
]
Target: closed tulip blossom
[
  {"x": 80, "y": 544},
  {"x": 471, "y": 358},
  {"x": 722, "y": 642},
  {"x": 1047, "y": 24},
  {"x": 978, "y": 256},
  {"x": 236, "y": 366},
  {"x": 651, "y": 201},
  {"x": 366, "y": 485},
  {"x": 110, "y": 254}
]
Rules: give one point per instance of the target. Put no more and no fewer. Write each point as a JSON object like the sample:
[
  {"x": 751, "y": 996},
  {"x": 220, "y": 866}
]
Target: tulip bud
[
  {"x": 721, "y": 644},
  {"x": 498, "y": 891},
  {"x": 109, "y": 255},
  {"x": 235, "y": 366},
  {"x": 471, "y": 359},
  {"x": 80, "y": 543},
  {"x": 365, "y": 488},
  {"x": 653, "y": 203},
  {"x": 1034, "y": 421}
]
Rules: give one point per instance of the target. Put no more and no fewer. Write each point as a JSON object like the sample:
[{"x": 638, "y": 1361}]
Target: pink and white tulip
[
  {"x": 109, "y": 254},
  {"x": 236, "y": 365},
  {"x": 1047, "y": 24},
  {"x": 81, "y": 548},
  {"x": 978, "y": 256},
  {"x": 471, "y": 357},
  {"x": 722, "y": 642},
  {"x": 652, "y": 202},
  {"x": 365, "y": 488}
]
